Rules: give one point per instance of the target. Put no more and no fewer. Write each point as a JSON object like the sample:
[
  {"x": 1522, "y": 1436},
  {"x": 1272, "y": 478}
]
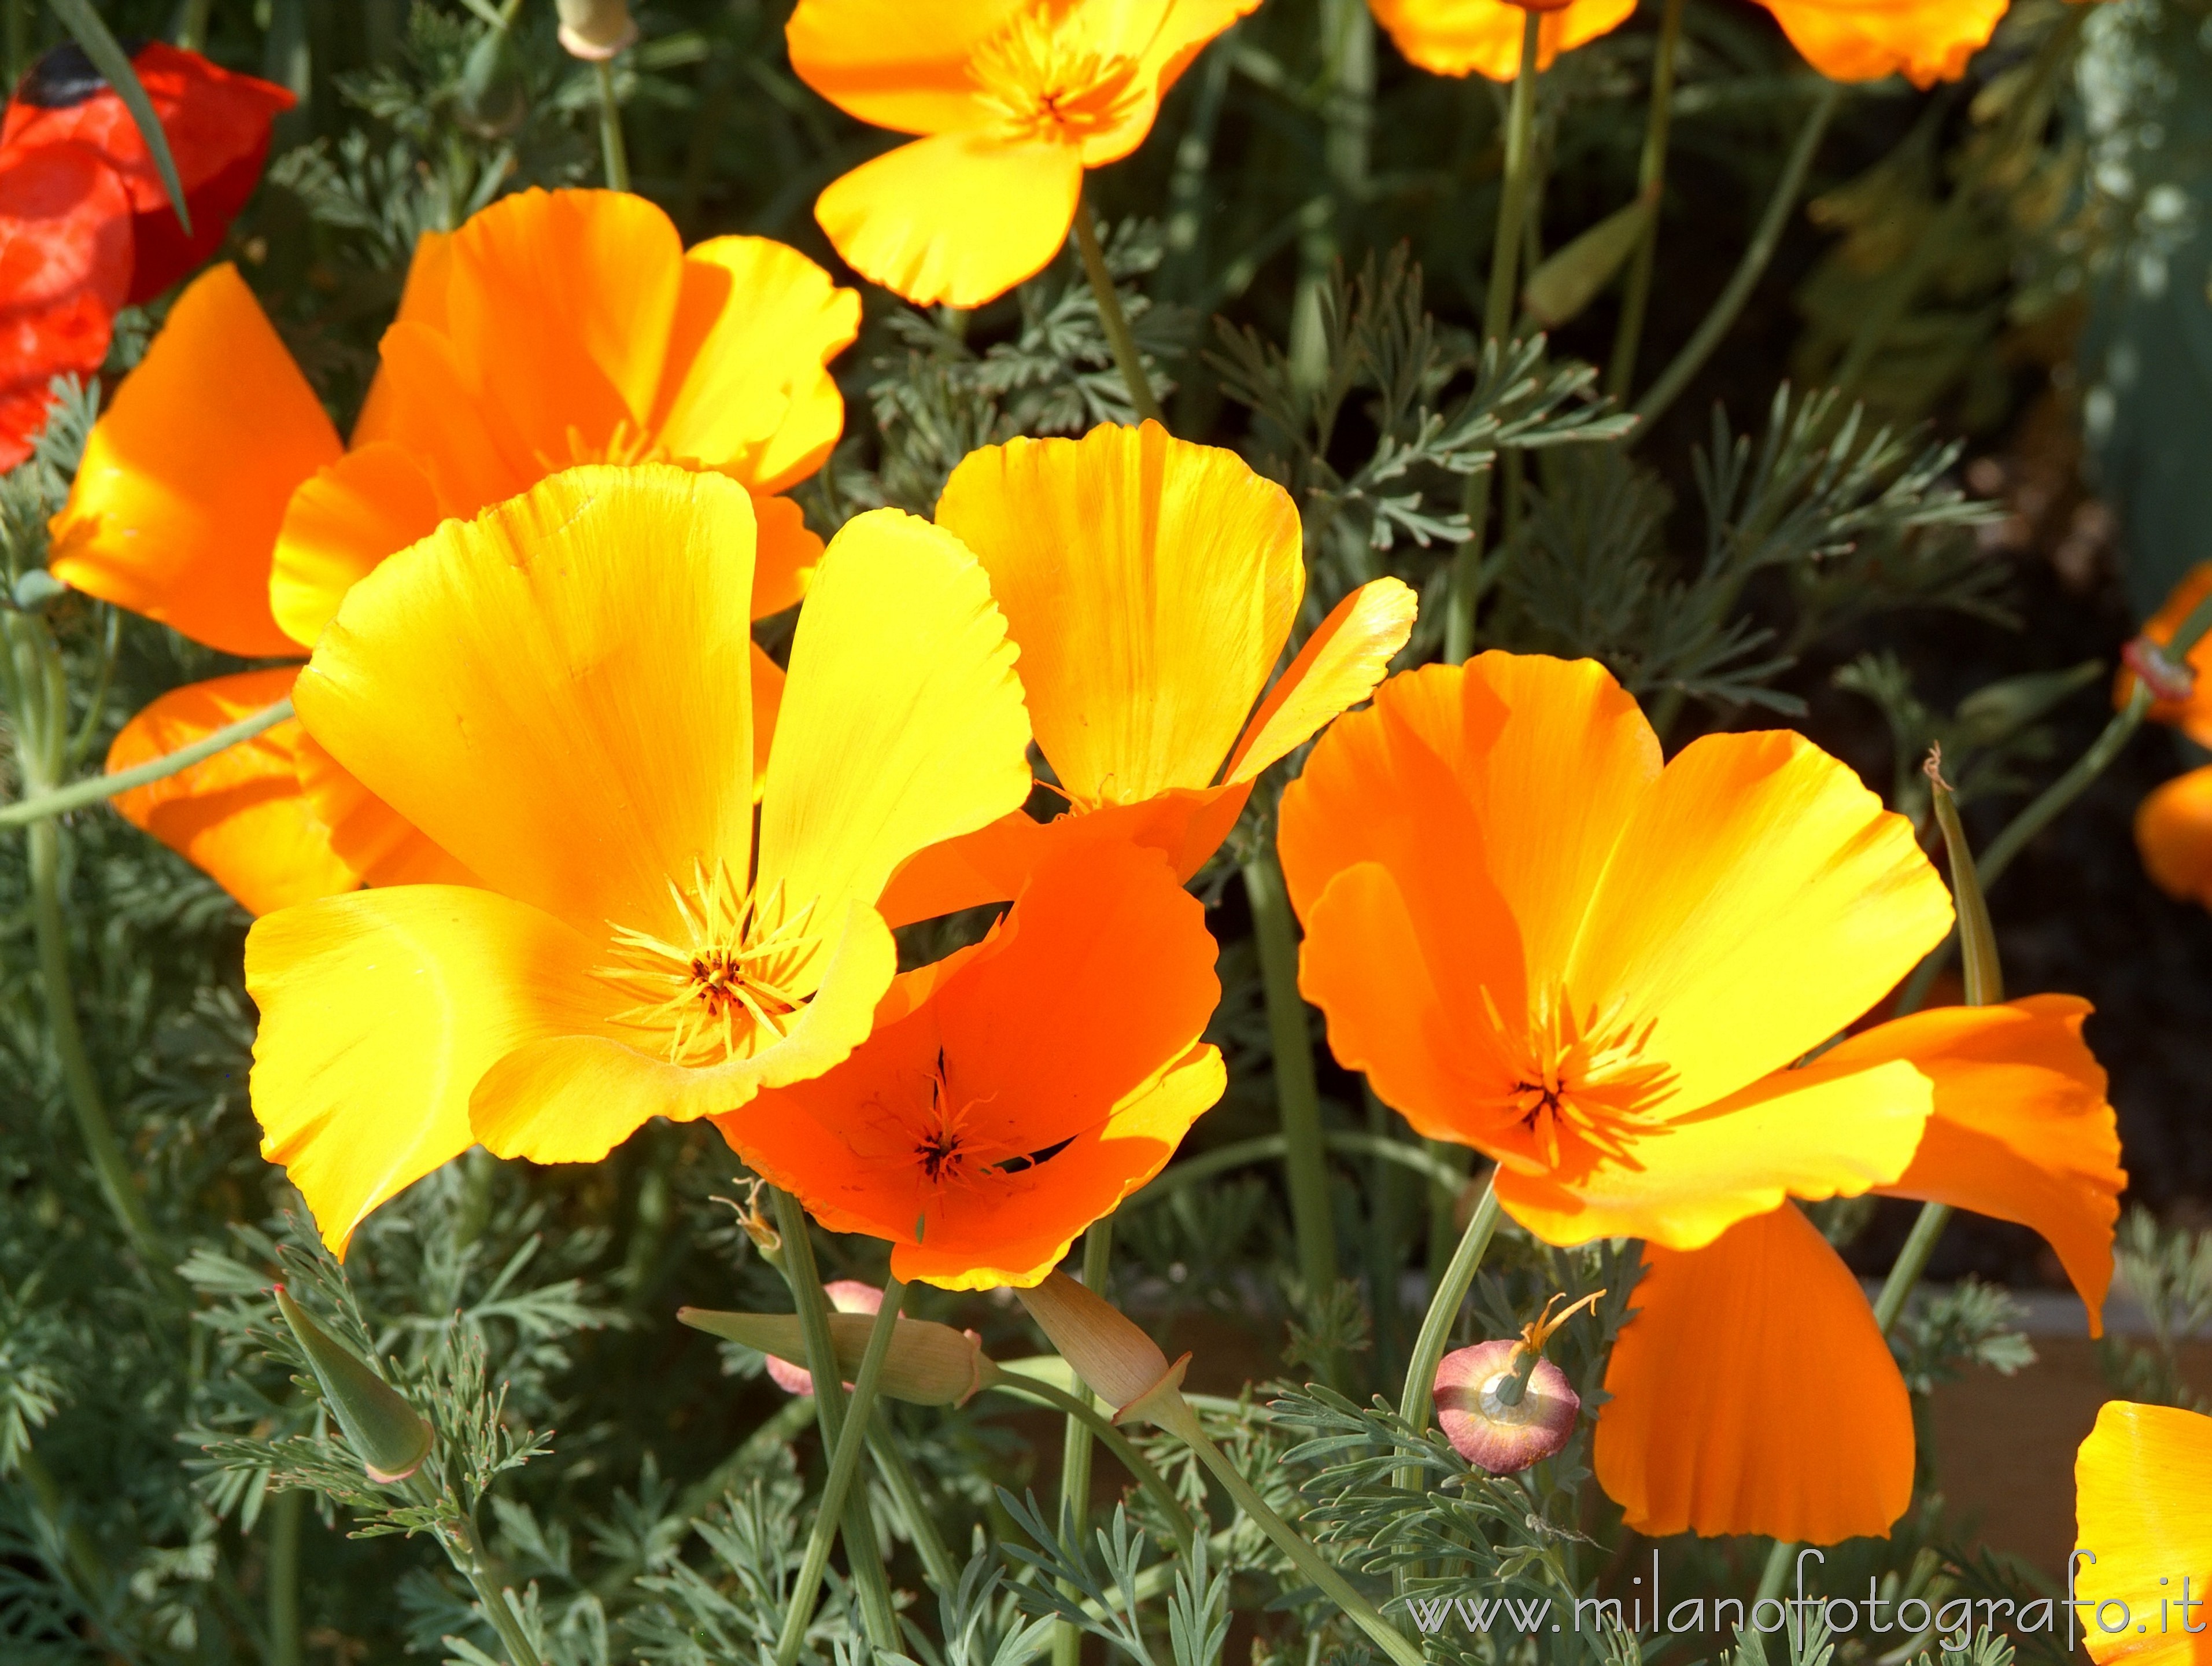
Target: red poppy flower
[{"x": 64, "y": 261}]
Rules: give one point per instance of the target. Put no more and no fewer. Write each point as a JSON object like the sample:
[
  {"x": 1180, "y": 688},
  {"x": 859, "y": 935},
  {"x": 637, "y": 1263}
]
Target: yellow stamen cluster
[{"x": 1049, "y": 79}]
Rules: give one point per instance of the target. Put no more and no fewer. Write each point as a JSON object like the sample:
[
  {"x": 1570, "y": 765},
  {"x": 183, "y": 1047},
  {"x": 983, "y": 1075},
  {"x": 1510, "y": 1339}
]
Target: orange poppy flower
[
  {"x": 1924, "y": 40},
  {"x": 1152, "y": 585},
  {"x": 546, "y": 692},
  {"x": 552, "y": 328},
  {"x": 2142, "y": 1488},
  {"x": 1455, "y": 37},
  {"x": 1538, "y": 940},
  {"x": 1014, "y": 99},
  {"x": 1012, "y": 1095},
  {"x": 2173, "y": 832},
  {"x": 2191, "y": 714}
]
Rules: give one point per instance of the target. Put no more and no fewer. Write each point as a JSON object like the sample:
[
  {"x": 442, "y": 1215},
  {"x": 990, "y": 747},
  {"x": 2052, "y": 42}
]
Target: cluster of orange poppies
[{"x": 551, "y": 847}]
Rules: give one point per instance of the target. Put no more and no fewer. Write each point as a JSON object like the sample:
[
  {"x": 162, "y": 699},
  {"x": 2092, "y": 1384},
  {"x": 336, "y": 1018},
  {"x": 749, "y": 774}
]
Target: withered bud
[
  {"x": 1118, "y": 1362},
  {"x": 595, "y": 30},
  {"x": 1501, "y": 1404},
  {"x": 2167, "y": 679}
]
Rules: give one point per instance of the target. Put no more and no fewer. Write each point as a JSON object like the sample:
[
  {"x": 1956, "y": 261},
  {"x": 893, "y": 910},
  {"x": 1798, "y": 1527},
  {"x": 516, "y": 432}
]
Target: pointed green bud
[
  {"x": 1978, "y": 939},
  {"x": 1558, "y": 289},
  {"x": 928, "y": 1364},
  {"x": 387, "y": 1435}
]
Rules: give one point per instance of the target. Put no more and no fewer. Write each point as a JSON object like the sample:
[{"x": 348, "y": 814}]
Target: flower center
[
  {"x": 731, "y": 989},
  {"x": 1046, "y": 77},
  {"x": 625, "y": 447},
  {"x": 1580, "y": 1083}
]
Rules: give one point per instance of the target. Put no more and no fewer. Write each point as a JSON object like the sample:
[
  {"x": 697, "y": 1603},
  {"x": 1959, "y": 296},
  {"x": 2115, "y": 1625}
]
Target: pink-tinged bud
[
  {"x": 595, "y": 30},
  {"x": 1492, "y": 1436},
  {"x": 846, "y": 1295},
  {"x": 1116, "y": 1361},
  {"x": 2168, "y": 680}
]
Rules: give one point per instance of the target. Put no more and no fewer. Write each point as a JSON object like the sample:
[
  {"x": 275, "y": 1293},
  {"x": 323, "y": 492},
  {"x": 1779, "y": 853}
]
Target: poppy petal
[
  {"x": 1165, "y": 37},
  {"x": 239, "y": 815},
  {"x": 955, "y": 220},
  {"x": 746, "y": 387},
  {"x": 1150, "y": 584},
  {"x": 432, "y": 400},
  {"x": 2141, "y": 1483},
  {"x": 343, "y": 519},
  {"x": 2173, "y": 833},
  {"x": 421, "y": 301},
  {"x": 573, "y": 1097},
  {"x": 1924, "y": 40},
  {"x": 379, "y": 1012},
  {"x": 1338, "y": 667},
  {"x": 768, "y": 704},
  {"x": 902, "y": 722},
  {"x": 177, "y": 502},
  {"x": 1452, "y": 36},
  {"x": 547, "y": 708},
  {"x": 788, "y": 552},
  {"x": 1758, "y": 900},
  {"x": 2020, "y": 1129},
  {"x": 896, "y": 63},
  {"x": 65, "y": 264},
  {"x": 368, "y": 834},
  {"x": 1752, "y": 1394},
  {"x": 1834, "y": 1129}
]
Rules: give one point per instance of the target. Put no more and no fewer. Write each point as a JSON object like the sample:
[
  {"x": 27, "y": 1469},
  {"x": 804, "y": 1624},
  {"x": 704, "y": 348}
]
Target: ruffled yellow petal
[
  {"x": 1453, "y": 37},
  {"x": 343, "y": 519},
  {"x": 746, "y": 387},
  {"x": 1338, "y": 667},
  {"x": 1752, "y": 1394},
  {"x": 1925, "y": 41},
  {"x": 2142, "y": 1485},
  {"x": 241, "y": 816},
  {"x": 552, "y": 709},
  {"x": 902, "y": 722},
  {"x": 378, "y": 1012},
  {"x": 955, "y": 219},
  {"x": 1150, "y": 583},
  {"x": 896, "y": 63},
  {"x": 177, "y": 504}
]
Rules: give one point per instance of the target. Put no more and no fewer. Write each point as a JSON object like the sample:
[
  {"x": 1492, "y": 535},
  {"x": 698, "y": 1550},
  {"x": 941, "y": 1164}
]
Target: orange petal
[
  {"x": 955, "y": 220},
  {"x": 1925, "y": 41},
  {"x": 379, "y": 1013},
  {"x": 1338, "y": 667},
  {"x": 343, "y": 519},
  {"x": 1833, "y": 1129},
  {"x": 1076, "y": 1021},
  {"x": 1452, "y": 37},
  {"x": 422, "y": 301},
  {"x": 767, "y": 702},
  {"x": 2021, "y": 1130},
  {"x": 2142, "y": 1485},
  {"x": 439, "y": 411},
  {"x": 1164, "y": 37},
  {"x": 239, "y": 815},
  {"x": 787, "y": 553},
  {"x": 1758, "y": 900},
  {"x": 2193, "y": 716},
  {"x": 1150, "y": 583},
  {"x": 183, "y": 487},
  {"x": 746, "y": 387},
  {"x": 1752, "y": 1394},
  {"x": 896, "y": 63},
  {"x": 368, "y": 834},
  {"x": 550, "y": 710},
  {"x": 2173, "y": 832}
]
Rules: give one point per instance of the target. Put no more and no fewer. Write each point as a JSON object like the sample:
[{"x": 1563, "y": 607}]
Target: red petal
[{"x": 64, "y": 263}]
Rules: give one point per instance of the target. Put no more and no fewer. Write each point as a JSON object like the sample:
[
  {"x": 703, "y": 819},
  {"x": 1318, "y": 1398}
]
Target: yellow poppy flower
[
  {"x": 1924, "y": 40},
  {"x": 1014, "y": 98},
  {"x": 554, "y": 692},
  {"x": 1455, "y": 37},
  {"x": 1152, "y": 585},
  {"x": 2142, "y": 1488},
  {"x": 553, "y": 328}
]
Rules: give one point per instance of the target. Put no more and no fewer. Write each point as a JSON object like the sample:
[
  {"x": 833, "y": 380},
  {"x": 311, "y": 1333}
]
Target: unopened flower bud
[
  {"x": 926, "y": 1364},
  {"x": 2169, "y": 680},
  {"x": 846, "y": 1295},
  {"x": 1118, "y": 1362},
  {"x": 389, "y": 1436},
  {"x": 595, "y": 30},
  {"x": 1501, "y": 1404}
]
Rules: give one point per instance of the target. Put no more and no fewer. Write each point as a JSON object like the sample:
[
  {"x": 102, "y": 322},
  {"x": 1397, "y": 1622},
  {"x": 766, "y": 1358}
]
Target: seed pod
[
  {"x": 1493, "y": 1436},
  {"x": 389, "y": 1436},
  {"x": 595, "y": 30}
]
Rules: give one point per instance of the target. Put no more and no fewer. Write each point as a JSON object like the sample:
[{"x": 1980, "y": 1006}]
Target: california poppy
[
  {"x": 1152, "y": 585},
  {"x": 1013, "y": 1094},
  {"x": 1014, "y": 98},
  {"x": 1452, "y": 36},
  {"x": 85, "y": 225},
  {"x": 2142, "y": 1489},
  {"x": 1924, "y": 40},
  {"x": 2173, "y": 833},
  {"x": 554, "y": 693},
  {"x": 552, "y": 328},
  {"x": 1537, "y": 940}
]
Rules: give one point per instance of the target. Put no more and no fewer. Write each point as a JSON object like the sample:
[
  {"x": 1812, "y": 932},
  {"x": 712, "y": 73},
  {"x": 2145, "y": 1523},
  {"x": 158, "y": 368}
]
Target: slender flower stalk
[
  {"x": 614, "y": 154},
  {"x": 1085, "y": 1408},
  {"x": 60, "y": 800},
  {"x": 897, "y": 1471},
  {"x": 1651, "y": 181},
  {"x": 1130, "y": 362},
  {"x": 1497, "y": 322},
  {"x": 1418, "y": 1400},
  {"x": 1075, "y": 1442}
]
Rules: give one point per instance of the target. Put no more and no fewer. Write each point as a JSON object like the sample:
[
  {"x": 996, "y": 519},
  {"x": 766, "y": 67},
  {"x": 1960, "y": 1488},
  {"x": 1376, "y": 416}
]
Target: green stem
[
  {"x": 287, "y": 1513},
  {"x": 1764, "y": 241},
  {"x": 1651, "y": 181},
  {"x": 614, "y": 154},
  {"x": 191, "y": 35},
  {"x": 1126, "y": 355},
  {"x": 1413, "y": 1405},
  {"x": 893, "y": 1465},
  {"x": 466, "y": 1551},
  {"x": 1180, "y": 1420},
  {"x": 805, "y": 1278},
  {"x": 844, "y": 1465},
  {"x": 1298, "y": 1094},
  {"x": 1912, "y": 1261},
  {"x": 84, "y": 1556},
  {"x": 1124, "y": 1450},
  {"x": 1075, "y": 1442},
  {"x": 60, "y": 800}
]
